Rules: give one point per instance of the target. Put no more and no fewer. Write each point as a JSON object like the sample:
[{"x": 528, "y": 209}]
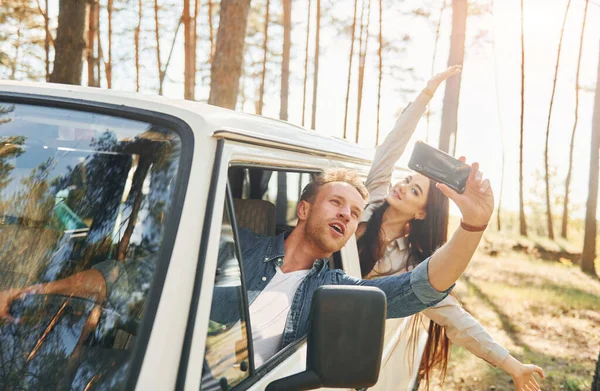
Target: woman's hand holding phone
[{"x": 476, "y": 203}]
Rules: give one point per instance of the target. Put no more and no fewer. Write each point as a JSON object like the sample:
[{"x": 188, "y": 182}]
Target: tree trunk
[
  {"x": 565, "y": 216},
  {"x": 108, "y": 63},
  {"x": 362, "y": 58},
  {"x": 163, "y": 71},
  {"x": 136, "y": 41},
  {"x": 243, "y": 88},
  {"x": 380, "y": 55},
  {"x": 47, "y": 37},
  {"x": 261, "y": 93},
  {"x": 16, "y": 61},
  {"x": 452, "y": 93},
  {"x": 306, "y": 62},
  {"x": 285, "y": 63},
  {"x": 313, "y": 122},
  {"x": 91, "y": 44},
  {"x": 189, "y": 71},
  {"x": 500, "y": 126},
  {"x": 99, "y": 55},
  {"x": 435, "y": 45},
  {"x": 226, "y": 66},
  {"x": 195, "y": 40},
  {"x": 522, "y": 222},
  {"x": 588, "y": 256},
  {"x": 69, "y": 44},
  {"x": 136, "y": 191},
  {"x": 157, "y": 37},
  {"x": 350, "y": 66},
  {"x": 211, "y": 31},
  {"x": 546, "y": 156}
]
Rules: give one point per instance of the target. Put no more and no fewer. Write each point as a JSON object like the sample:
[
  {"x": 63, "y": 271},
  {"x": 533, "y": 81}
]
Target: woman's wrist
[
  {"x": 429, "y": 91},
  {"x": 510, "y": 365},
  {"x": 472, "y": 227}
]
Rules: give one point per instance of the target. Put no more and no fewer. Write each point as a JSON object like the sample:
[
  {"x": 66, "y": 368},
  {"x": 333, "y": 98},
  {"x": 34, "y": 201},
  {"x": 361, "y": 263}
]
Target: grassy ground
[{"x": 543, "y": 312}]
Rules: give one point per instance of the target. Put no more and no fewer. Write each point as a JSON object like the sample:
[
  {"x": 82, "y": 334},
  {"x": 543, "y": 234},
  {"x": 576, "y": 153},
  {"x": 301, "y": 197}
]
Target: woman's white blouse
[{"x": 461, "y": 327}]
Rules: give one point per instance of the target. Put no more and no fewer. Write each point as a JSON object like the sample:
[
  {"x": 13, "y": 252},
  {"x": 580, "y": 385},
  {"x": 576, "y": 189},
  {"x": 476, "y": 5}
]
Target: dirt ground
[{"x": 544, "y": 312}]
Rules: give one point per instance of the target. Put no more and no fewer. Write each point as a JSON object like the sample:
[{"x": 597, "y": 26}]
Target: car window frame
[
  {"x": 184, "y": 131},
  {"x": 238, "y": 254},
  {"x": 289, "y": 350}
]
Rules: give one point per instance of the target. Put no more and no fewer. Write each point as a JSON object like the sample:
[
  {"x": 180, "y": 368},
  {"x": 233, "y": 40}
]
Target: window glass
[
  {"x": 83, "y": 200},
  {"x": 226, "y": 355}
]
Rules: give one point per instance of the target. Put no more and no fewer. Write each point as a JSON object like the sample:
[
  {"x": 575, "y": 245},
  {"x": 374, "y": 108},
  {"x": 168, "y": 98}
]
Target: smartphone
[{"x": 439, "y": 166}]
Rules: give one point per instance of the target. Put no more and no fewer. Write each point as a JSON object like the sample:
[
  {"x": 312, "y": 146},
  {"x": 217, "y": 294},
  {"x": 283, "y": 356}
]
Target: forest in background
[{"x": 248, "y": 55}]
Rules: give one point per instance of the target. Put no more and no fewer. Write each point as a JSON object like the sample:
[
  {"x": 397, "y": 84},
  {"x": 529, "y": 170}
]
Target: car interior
[{"x": 265, "y": 200}]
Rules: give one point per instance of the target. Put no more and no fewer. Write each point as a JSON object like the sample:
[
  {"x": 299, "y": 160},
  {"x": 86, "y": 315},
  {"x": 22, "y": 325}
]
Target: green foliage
[
  {"x": 575, "y": 385},
  {"x": 536, "y": 201},
  {"x": 22, "y": 38},
  {"x": 10, "y": 148}
]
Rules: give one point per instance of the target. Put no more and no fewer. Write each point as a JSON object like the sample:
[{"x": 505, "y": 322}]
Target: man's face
[{"x": 333, "y": 216}]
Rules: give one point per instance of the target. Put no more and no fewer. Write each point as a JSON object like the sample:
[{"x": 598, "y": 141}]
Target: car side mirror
[{"x": 345, "y": 340}]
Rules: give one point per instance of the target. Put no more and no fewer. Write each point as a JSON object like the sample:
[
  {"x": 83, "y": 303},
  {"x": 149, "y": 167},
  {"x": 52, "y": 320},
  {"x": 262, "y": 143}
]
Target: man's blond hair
[{"x": 334, "y": 175}]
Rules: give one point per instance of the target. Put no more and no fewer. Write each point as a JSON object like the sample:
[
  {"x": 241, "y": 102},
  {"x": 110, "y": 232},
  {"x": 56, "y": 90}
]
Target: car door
[{"x": 209, "y": 339}]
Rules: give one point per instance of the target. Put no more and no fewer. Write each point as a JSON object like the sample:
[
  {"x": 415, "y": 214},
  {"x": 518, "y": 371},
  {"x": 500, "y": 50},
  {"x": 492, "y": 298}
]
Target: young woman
[{"x": 402, "y": 226}]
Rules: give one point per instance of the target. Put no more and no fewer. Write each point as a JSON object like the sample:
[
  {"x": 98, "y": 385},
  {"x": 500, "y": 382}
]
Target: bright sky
[{"x": 480, "y": 122}]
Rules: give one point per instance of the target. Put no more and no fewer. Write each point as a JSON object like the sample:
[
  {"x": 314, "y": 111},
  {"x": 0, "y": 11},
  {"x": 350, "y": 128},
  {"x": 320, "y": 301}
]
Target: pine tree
[
  {"x": 361, "y": 65},
  {"x": 261, "y": 94},
  {"x": 350, "y": 66},
  {"x": 550, "y": 225},
  {"x": 588, "y": 255},
  {"x": 380, "y": 69},
  {"x": 22, "y": 33},
  {"x": 70, "y": 42},
  {"x": 306, "y": 61},
  {"x": 136, "y": 42},
  {"x": 522, "y": 222},
  {"x": 226, "y": 67},
  {"x": 565, "y": 216},
  {"x": 285, "y": 63},
  {"x": 313, "y": 122},
  {"x": 452, "y": 92}
]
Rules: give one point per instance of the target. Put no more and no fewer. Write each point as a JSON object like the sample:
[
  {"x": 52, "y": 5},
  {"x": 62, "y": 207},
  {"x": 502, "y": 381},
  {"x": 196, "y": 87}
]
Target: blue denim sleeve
[{"x": 407, "y": 293}]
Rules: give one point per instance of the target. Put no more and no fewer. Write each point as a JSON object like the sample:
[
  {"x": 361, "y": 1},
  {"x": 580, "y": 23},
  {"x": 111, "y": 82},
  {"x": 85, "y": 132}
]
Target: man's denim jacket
[{"x": 406, "y": 293}]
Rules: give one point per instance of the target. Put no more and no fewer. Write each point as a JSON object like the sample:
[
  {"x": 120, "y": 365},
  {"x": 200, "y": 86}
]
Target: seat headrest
[{"x": 257, "y": 216}]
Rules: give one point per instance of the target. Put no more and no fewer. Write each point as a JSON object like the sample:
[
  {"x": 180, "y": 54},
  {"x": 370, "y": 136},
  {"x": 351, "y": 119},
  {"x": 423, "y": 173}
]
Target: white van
[{"x": 144, "y": 191}]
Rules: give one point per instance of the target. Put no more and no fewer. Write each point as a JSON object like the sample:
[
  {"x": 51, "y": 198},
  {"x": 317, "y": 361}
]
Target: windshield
[{"x": 83, "y": 201}]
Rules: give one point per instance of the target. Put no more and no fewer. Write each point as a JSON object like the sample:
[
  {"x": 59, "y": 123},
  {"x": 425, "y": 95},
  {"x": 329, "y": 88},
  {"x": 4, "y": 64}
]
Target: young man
[
  {"x": 328, "y": 215},
  {"x": 282, "y": 273}
]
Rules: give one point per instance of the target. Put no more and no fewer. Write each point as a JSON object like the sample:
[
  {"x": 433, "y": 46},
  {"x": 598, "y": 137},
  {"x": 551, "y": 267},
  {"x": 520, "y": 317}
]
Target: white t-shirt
[{"x": 268, "y": 313}]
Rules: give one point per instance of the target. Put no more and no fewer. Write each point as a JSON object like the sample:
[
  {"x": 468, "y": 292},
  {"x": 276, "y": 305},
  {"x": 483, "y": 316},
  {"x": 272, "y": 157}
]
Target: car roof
[{"x": 216, "y": 121}]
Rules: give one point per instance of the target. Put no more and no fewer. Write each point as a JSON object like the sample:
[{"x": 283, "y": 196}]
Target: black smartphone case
[{"x": 439, "y": 166}]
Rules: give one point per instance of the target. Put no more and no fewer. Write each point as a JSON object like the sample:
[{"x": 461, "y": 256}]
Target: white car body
[{"x": 248, "y": 139}]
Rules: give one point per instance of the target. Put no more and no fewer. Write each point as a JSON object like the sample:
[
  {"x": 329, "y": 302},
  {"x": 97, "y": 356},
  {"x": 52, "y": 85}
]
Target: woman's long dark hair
[{"x": 424, "y": 237}]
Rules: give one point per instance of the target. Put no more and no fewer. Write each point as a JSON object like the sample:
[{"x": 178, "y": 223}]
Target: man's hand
[
  {"x": 476, "y": 204},
  {"x": 436, "y": 80},
  {"x": 6, "y": 298},
  {"x": 9, "y": 295}
]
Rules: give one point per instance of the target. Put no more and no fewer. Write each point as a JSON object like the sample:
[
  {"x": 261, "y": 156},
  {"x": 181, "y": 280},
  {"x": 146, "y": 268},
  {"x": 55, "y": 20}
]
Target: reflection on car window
[
  {"x": 83, "y": 200},
  {"x": 226, "y": 357}
]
